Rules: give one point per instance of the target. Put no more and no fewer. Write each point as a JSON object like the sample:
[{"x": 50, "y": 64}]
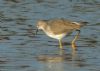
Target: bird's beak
[{"x": 36, "y": 31}]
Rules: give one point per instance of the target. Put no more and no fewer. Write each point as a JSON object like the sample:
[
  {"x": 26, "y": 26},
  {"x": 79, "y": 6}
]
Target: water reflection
[
  {"x": 53, "y": 62},
  {"x": 57, "y": 62}
]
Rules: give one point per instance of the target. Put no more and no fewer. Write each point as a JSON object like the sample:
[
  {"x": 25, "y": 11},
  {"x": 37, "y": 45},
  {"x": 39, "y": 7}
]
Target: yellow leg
[
  {"x": 73, "y": 42},
  {"x": 61, "y": 52},
  {"x": 60, "y": 44}
]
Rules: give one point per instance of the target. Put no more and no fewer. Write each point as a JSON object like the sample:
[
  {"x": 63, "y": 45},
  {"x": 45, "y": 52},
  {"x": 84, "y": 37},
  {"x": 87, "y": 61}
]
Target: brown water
[{"x": 22, "y": 50}]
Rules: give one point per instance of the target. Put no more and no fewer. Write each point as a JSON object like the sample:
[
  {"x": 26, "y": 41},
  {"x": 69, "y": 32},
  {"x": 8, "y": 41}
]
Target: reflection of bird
[{"x": 58, "y": 28}]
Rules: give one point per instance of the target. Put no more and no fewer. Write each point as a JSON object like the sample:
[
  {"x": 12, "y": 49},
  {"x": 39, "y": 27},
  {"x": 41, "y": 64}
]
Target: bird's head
[{"x": 41, "y": 24}]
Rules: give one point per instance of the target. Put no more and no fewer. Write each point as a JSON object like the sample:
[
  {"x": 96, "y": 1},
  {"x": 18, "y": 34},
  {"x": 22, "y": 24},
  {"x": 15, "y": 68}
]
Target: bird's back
[{"x": 59, "y": 26}]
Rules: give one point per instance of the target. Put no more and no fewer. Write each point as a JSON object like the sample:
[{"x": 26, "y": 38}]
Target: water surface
[{"x": 22, "y": 50}]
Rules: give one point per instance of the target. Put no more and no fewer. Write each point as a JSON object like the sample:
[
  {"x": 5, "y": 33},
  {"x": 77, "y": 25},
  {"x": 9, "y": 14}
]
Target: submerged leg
[
  {"x": 73, "y": 42},
  {"x": 60, "y": 44}
]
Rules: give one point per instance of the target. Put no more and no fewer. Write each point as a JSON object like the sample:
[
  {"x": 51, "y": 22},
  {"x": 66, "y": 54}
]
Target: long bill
[{"x": 36, "y": 32}]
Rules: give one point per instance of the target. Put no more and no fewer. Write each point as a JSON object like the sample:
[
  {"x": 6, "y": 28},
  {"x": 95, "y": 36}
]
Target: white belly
[{"x": 60, "y": 36}]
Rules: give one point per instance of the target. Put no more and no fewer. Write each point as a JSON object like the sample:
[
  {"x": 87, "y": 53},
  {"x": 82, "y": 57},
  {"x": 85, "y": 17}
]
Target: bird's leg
[
  {"x": 73, "y": 42},
  {"x": 60, "y": 44},
  {"x": 61, "y": 52}
]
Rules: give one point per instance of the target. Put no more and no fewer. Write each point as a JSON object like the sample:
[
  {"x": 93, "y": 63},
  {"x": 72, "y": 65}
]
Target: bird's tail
[{"x": 81, "y": 23}]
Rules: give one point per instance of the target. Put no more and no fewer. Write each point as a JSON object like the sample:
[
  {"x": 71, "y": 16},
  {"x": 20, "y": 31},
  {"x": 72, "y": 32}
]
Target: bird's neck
[{"x": 47, "y": 29}]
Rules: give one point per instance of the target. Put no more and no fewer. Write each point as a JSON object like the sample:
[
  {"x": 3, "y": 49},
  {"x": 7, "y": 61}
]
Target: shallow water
[{"x": 22, "y": 50}]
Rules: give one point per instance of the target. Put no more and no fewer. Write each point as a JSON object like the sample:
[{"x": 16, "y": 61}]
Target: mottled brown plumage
[{"x": 58, "y": 28}]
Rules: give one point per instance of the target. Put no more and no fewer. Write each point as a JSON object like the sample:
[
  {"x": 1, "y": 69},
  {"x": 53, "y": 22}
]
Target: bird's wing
[{"x": 60, "y": 26}]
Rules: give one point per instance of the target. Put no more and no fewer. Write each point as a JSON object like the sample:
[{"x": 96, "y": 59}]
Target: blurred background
[{"x": 22, "y": 50}]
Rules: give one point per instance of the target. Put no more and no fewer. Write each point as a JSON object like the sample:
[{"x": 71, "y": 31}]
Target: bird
[{"x": 59, "y": 28}]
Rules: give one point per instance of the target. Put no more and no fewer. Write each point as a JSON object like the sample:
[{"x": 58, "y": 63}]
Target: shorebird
[{"x": 59, "y": 28}]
